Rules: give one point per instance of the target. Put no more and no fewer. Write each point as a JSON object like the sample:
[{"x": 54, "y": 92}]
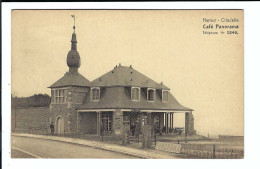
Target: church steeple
[{"x": 73, "y": 58}]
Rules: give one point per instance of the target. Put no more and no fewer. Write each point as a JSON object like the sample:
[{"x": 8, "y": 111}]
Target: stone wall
[
  {"x": 61, "y": 111},
  {"x": 31, "y": 119},
  {"x": 118, "y": 122},
  {"x": 68, "y": 110},
  {"x": 189, "y": 124}
]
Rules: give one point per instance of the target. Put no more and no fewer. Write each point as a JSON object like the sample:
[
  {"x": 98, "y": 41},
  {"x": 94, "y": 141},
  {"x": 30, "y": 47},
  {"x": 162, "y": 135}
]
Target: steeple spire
[{"x": 73, "y": 58}]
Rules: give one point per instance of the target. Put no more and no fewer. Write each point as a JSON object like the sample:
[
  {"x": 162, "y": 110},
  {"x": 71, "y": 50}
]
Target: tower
[
  {"x": 73, "y": 58},
  {"x": 68, "y": 92}
]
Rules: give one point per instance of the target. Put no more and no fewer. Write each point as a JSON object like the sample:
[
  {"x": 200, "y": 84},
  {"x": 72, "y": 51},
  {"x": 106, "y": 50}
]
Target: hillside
[{"x": 37, "y": 100}]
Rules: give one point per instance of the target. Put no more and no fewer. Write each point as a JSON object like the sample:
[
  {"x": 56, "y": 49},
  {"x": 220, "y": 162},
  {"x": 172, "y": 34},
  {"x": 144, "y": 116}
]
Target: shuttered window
[
  {"x": 95, "y": 94},
  {"x": 151, "y": 94},
  {"x": 135, "y": 93},
  {"x": 165, "y": 96}
]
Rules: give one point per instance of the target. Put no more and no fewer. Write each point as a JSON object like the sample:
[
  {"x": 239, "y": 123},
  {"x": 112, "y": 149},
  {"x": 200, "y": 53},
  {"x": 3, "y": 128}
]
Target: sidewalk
[{"x": 140, "y": 153}]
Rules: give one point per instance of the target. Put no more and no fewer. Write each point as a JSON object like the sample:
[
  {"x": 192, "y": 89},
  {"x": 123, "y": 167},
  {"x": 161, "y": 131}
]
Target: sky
[{"x": 204, "y": 72}]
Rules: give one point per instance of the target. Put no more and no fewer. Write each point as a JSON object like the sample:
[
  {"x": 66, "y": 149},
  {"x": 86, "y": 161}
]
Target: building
[{"x": 113, "y": 102}]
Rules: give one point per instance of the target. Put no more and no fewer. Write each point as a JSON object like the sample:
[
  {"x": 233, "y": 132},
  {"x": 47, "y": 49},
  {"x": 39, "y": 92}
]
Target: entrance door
[
  {"x": 107, "y": 123},
  {"x": 156, "y": 121},
  {"x": 60, "y": 125}
]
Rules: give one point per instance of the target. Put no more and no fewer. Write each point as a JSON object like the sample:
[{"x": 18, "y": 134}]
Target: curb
[{"x": 93, "y": 144}]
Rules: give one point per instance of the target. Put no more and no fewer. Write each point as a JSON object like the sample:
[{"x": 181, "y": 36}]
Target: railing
[{"x": 212, "y": 151}]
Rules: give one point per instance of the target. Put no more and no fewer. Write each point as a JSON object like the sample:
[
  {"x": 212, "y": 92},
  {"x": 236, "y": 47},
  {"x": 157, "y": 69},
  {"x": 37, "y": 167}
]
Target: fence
[
  {"x": 212, "y": 151},
  {"x": 209, "y": 135},
  {"x": 202, "y": 151},
  {"x": 169, "y": 147}
]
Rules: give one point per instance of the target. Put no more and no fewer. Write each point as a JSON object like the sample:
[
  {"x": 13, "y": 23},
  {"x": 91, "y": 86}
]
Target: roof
[
  {"x": 117, "y": 97},
  {"x": 71, "y": 79},
  {"x": 126, "y": 76}
]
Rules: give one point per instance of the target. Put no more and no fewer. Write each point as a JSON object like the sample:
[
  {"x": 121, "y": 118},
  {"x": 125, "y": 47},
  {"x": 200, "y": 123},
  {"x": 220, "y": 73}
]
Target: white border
[{"x": 252, "y": 88}]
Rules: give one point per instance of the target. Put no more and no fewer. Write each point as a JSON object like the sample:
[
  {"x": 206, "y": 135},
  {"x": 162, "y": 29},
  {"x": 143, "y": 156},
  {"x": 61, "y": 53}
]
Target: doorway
[
  {"x": 156, "y": 121},
  {"x": 107, "y": 123},
  {"x": 60, "y": 126}
]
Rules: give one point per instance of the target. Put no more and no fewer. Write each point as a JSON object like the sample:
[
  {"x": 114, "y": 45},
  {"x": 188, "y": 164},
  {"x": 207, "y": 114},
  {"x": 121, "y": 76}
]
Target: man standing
[
  {"x": 132, "y": 128},
  {"x": 52, "y": 128}
]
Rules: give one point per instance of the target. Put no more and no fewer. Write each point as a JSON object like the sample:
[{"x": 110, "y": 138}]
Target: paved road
[{"x": 24, "y": 147}]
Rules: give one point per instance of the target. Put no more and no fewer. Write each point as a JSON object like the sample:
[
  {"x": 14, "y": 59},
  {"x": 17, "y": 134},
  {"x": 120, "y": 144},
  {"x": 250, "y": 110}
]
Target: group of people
[{"x": 133, "y": 129}]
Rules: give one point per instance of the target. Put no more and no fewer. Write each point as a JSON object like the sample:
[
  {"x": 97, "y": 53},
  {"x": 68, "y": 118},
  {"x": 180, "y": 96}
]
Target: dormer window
[
  {"x": 95, "y": 94},
  {"x": 150, "y": 94},
  {"x": 135, "y": 93},
  {"x": 165, "y": 94}
]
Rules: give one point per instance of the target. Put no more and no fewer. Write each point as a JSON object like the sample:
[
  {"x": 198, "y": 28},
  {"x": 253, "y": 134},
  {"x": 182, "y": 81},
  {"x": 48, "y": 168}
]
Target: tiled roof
[
  {"x": 117, "y": 97},
  {"x": 126, "y": 76},
  {"x": 71, "y": 79}
]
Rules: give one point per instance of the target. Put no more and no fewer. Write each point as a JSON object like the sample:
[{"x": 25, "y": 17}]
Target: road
[{"x": 25, "y": 147}]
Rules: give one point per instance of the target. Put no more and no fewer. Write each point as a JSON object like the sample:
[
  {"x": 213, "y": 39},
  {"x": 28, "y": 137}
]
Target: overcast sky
[{"x": 204, "y": 72}]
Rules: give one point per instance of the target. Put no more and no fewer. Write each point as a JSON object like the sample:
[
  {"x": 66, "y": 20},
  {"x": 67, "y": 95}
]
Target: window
[
  {"x": 135, "y": 94},
  {"x": 52, "y": 96},
  {"x": 151, "y": 94},
  {"x": 126, "y": 119},
  {"x": 58, "y": 95},
  {"x": 144, "y": 120},
  {"x": 106, "y": 122},
  {"x": 62, "y": 96},
  {"x": 95, "y": 94},
  {"x": 165, "y": 94}
]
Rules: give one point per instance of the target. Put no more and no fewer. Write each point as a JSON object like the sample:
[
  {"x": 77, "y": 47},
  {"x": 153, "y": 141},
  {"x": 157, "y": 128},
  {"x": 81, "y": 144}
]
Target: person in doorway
[
  {"x": 132, "y": 128},
  {"x": 157, "y": 129},
  {"x": 102, "y": 129},
  {"x": 52, "y": 128},
  {"x": 186, "y": 135}
]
